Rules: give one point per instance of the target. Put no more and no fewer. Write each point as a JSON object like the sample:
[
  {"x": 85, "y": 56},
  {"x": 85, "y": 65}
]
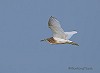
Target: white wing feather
[
  {"x": 70, "y": 34},
  {"x": 54, "y": 25}
]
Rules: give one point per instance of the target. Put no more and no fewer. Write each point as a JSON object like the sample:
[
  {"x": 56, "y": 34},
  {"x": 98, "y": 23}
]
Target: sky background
[{"x": 23, "y": 23}]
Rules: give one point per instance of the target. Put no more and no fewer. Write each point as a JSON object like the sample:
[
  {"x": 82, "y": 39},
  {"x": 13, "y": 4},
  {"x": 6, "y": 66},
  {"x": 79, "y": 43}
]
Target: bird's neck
[{"x": 51, "y": 40}]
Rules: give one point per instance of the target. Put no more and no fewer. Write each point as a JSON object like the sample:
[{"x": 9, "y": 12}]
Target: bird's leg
[{"x": 73, "y": 43}]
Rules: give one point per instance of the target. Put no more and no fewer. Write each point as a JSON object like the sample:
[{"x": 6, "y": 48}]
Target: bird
[{"x": 59, "y": 36}]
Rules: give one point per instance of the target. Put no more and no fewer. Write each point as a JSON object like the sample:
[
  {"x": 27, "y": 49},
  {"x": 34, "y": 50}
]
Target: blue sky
[{"x": 23, "y": 23}]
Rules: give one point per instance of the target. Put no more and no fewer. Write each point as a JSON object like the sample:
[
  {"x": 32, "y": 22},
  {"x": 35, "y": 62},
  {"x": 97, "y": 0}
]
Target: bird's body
[
  {"x": 59, "y": 36},
  {"x": 53, "y": 40}
]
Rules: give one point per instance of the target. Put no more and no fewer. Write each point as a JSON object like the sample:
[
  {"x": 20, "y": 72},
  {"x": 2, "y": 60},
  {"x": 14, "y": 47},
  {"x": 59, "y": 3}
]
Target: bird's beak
[{"x": 43, "y": 40}]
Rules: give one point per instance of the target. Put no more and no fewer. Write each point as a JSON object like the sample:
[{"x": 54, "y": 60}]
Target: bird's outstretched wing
[
  {"x": 54, "y": 25},
  {"x": 70, "y": 34}
]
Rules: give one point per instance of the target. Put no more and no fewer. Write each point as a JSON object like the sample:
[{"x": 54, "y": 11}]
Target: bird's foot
[{"x": 73, "y": 43}]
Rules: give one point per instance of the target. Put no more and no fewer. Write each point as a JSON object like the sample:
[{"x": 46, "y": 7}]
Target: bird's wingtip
[{"x": 53, "y": 17}]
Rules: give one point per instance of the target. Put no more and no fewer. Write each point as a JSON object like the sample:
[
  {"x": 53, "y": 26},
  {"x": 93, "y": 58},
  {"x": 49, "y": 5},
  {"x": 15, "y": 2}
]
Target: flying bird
[{"x": 59, "y": 36}]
